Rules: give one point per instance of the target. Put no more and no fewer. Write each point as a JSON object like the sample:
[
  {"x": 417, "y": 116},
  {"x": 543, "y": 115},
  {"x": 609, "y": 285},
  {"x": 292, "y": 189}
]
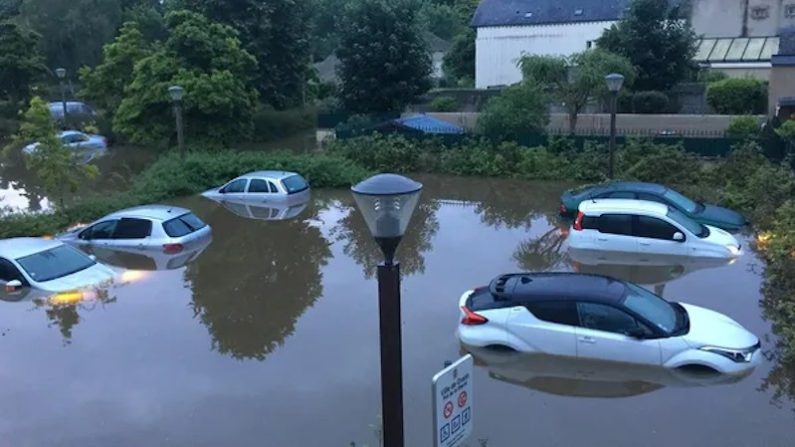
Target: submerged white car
[
  {"x": 48, "y": 265},
  {"x": 261, "y": 186},
  {"x": 647, "y": 227},
  {"x": 597, "y": 317}
]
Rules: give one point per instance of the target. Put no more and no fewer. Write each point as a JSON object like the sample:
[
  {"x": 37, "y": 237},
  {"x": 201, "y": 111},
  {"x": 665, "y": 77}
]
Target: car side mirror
[
  {"x": 679, "y": 237},
  {"x": 13, "y": 285}
]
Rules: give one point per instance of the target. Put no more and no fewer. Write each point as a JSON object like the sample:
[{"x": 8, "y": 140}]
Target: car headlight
[
  {"x": 734, "y": 250},
  {"x": 735, "y": 355}
]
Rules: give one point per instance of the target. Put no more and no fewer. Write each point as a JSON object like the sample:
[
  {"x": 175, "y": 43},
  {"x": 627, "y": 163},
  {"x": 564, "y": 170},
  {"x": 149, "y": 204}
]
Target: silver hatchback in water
[
  {"x": 261, "y": 186},
  {"x": 151, "y": 227}
]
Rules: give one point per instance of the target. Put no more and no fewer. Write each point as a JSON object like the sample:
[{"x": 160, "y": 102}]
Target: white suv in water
[
  {"x": 597, "y": 317},
  {"x": 647, "y": 227}
]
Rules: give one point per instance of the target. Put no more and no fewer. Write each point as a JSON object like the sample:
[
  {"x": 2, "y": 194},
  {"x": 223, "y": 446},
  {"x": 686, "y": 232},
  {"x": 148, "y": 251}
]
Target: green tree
[
  {"x": 20, "y": 63},
  {"x": 574, "y": 81},
  {"x": 787, "y": 133},
  {"x": 459, "y": 62},
  {"x": 384, "y": 61},
  {"x": 149, "y": 20},
  {"x": 207, "y": 60},
  {"x": 54, "y": 164},
  {"x": 72, "y": 32},
  {"x": 744, "y": 127},
  {"x": 105, "y": 83},
  {"x": 276, "y": 32},
  {"x": 659, "y": 41},
  {"x": 737, "y": 96},
  {"x": 520, "y": 109}
]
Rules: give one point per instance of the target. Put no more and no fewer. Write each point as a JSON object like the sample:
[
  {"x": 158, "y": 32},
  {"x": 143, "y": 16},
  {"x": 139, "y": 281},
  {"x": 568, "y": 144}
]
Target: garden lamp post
[
  {"x": 176, "y": 92},
  {"x": 387, "y": 202},
  {"x": 61, "y": 74},
  {"x": 614, "y": 83}
]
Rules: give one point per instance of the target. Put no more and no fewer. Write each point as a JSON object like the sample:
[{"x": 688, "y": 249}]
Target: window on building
[
  {"x": 760, "y": 12},
  {"x": 589, "y": 44}
]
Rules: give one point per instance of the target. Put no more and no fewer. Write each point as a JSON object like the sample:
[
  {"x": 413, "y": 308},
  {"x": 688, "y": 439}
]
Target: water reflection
[
  {"x": 544, "y": 252},
  {"x": 260, "y": 209},
  {"x": 255, "y": 280},
  {"x": 566, "y": 376},
  {"x": 145, "y": 260}
]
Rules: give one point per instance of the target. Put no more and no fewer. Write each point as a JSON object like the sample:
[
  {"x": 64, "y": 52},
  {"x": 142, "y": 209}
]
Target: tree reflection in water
[
  {"x": 255, "y": 280},
  {"x": 544, "y": 252},
  {"x": 66, "y": 315}
]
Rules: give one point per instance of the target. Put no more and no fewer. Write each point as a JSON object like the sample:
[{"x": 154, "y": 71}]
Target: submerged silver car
[
  {"x": 263, "y": 186},
  {"x": 169, "y": 229}
]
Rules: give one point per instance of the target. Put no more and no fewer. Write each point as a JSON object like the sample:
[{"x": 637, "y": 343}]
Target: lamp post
[
  {"x": 176, "y": 92},
  {"x": 614, "y": 83},
  {"x": 61, "y": 74},
  {"x": 387, "y": 202}
]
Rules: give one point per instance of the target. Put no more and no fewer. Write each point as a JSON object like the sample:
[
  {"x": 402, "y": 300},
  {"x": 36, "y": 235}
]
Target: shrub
[
  {"x": 643, "y": 160},
  {"x": 738, "y": 96},
  {"x": 650, "y": 102},
  {"x": 710, "y": 76},
  {"x": 270, "y": 124},
  {"x": 518, "y": 110},
  {"x": 744, "y": 127},
  {"x": 444, "y": 104}
]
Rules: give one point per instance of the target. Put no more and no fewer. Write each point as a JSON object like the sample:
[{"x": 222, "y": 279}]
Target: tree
[
  {"x": 54, "y": 164},
  {"x": 105, "y": 83},
  {"x": 575, "y": 80},
  {"x": 72, "y": 32},
  {"x": 659, "y": 41},
  {"x": 148, "y": 19},
  {"x": 276, "y": 32},
  {"x": 384, "y": 61},
  {"x": 459, "y": 62},
  {"x": 20, "y": 63},
  {"x": 520, "y": 109},
  {"x": 207, "y": 60},
  {"x": 737, "y": 96},
  {"x": 787, "y": 134},
  {"x": 744, "y": 127}
]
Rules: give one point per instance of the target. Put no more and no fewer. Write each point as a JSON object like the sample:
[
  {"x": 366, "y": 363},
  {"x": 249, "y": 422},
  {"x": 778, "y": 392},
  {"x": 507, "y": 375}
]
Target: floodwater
[{"x": 269, "y": 337}]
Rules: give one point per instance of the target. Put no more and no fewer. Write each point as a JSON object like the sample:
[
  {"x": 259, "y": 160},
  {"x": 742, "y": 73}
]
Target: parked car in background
[
  {"x": 83, "y": 145},
  {"x": 162, "y": 228},
  {"x": 78, "y": 112},
  {"x": 601, "y": 318},
  {"x": 48, "y": 265},
  {"x": 632, "y": 226},
  {"x": 702, "y": 213},
  {"x": 263, "y": 186}
]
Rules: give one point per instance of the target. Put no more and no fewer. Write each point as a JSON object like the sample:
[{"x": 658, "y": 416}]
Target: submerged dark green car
[{"x": 716, "y": 216}]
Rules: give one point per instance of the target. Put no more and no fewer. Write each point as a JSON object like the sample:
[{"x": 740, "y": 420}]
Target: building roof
[
  {"x": 737, "y": 49},
  {"x": 590, "y": 207},
  {"x": 546, "y": 12},
  {"x": 20, "y": 247},
  {"x": 428, "y": 124}
]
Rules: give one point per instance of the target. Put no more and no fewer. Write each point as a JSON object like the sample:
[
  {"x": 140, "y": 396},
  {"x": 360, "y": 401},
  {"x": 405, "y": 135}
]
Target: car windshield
[
  {"x": 55, "y": 263},
  {"x": 294, "y": 184},
  {"x": 689, "y": 224},
  {"x": 681, "y": 201},
  {"x": 651, "y": 307}
]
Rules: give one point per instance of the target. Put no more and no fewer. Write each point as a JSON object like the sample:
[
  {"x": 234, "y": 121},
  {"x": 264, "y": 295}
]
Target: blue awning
[{"x": 428, "y": 124}]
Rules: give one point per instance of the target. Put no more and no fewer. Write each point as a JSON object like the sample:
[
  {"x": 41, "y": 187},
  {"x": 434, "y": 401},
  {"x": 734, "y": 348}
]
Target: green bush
[
  {"x": 745, "y": 127},
  {"x": 709, "y": 76},
  {"x": 520, "y": 109},
  {"x": 444, "y": 104},
  {"x": 738, "y": 96},
  {"x": 270, "y": 124},
  {"x": 650, "y": 102}
]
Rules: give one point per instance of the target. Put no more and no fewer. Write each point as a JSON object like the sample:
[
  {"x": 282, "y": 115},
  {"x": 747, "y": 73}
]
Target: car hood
[
  {"x": 92, "y": 276},
  {"x": 722, "y": 237},
  {"x": 710, "y": 328},
  {"x": 722, "y": 217}
]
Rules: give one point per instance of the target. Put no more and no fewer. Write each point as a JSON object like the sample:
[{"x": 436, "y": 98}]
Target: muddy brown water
[{"x": 269, "y": 337}]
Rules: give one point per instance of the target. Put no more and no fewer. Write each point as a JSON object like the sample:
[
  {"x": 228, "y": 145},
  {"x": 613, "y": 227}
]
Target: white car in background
[
  {"x": 647, "y": 227},
  {"x": 48, "y": 265},
  {"x": 261, "y": 186},
  {"x": 85, "y": 146},
  {"x": 601, "y": 318}
]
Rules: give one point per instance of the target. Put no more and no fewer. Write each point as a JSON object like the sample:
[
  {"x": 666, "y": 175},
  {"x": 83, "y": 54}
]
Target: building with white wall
[{"x": 508, "y": 29}]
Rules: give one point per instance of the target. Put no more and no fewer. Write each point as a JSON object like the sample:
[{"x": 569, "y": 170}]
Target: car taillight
[
  {"x": 172, "y": 248},
  {"x": 471, "y": 318},
  {"x": 563, "y": 209},
  {"x": 578, "y": 222}
]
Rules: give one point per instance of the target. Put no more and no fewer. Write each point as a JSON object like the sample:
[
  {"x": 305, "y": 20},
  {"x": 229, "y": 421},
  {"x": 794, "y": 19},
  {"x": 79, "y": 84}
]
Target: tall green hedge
[{"x": 738, "y": 96}]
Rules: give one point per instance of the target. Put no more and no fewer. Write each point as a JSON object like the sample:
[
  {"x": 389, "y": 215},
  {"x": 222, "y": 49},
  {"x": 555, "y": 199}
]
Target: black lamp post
[
  {"x": 61, "y": 74},
  {"x": 614, "y": 83},
  {"x": 387, "y": 202},
  {"x": 176, "y": 92}
]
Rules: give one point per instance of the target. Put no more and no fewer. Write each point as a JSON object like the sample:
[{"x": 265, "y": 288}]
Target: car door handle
[
  {"x": 602, "y": 239},
  {"x": 645, "y": 244},
  {"x": 589, "y": 340}
]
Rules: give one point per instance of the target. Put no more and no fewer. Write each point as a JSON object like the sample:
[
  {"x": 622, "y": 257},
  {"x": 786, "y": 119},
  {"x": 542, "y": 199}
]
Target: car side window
[
  {"x": 605, "y": 318},
  {"x": 132, "y": 229},
  {"x": 560, "y": 312},
  {"x": 615, "y": 224},
  {"x": 9, "y": 272},
  {"x": 102, "y": 230},
  {"x": 235, "y": 186},
  {"x": 651, "y": 227},
  {"x": 258, "y": 186},
  {"x": 272, "y": 187}
]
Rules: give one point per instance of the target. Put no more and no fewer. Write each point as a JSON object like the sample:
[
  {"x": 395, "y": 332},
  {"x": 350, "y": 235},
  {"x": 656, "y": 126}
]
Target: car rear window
[
  {"x": 183, "y": 225},
  {"x": 294, "y": 184}
]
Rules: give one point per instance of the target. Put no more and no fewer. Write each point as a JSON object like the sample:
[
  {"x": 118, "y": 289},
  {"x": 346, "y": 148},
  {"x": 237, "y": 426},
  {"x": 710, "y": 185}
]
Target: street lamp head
[
  {"x": 614, "y": 82},
  {"x": 387, "y": 202},
  {"x": 176, "y": 92},
  {"x": 60, "y": 72}
]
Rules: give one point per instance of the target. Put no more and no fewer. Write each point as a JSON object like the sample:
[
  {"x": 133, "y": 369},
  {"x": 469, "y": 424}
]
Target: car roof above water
[
  {"x": 277, "y": 175},
  {"x": 636, "y": 186},
  {"x": 526, "y": 287},
  {"x": 607, "y": 206},
  {"x": 153, "y": 212},
  {"x": 19, "y": 247}
]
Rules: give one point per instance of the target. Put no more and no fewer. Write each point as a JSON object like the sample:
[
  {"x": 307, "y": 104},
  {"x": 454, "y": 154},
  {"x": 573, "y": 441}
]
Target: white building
[{"x": 508, "y": 29}]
